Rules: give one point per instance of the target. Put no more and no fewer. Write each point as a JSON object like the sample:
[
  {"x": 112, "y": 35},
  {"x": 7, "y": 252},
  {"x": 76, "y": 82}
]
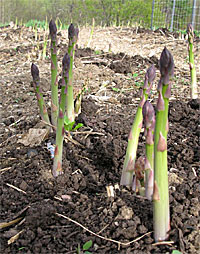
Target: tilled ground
[{"x": 56, "y": 214}]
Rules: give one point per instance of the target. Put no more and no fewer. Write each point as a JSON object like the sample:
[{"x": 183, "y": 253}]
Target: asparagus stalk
[
  {"x": 54, "y": 69},
  {"x": 73, "y": 37},
  {"x": 60, "y": 131},
  {"x": 39, "y": 95},
  {"x": 161, "y": 194},
  {"x": 128, "y": 167},
  {"x": 193, "y": 88},
  {"x": 149, "y": 124}
]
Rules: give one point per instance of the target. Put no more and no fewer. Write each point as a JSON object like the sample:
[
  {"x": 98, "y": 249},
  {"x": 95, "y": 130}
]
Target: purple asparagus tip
[
  {"x": 166, "y": 65},
  {"x": 190, "y": 29},
  {"x": 71, "y": 31},
  {"x": 35, "y": 72},
  {"x": 52, "y": 29},
  {"x": 148, "y": 114},
  {"x": 149, "y": 76},
  {"x": 66, "y": 64}
]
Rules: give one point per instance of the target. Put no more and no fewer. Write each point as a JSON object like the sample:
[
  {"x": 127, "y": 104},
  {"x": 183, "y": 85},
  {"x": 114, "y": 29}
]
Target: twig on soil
[
  {"x": 88, "y": 133},
  {"x": 12, "y": 186},
  {"x": 102, "y": 237},
  {"x": 15, "y": 237},
  {"x": 10, "y": 223},
  {"x": 4, "y": 169},
  {"x": 83, "y": 157},
  {"x": 54, "y": 127},
  {"x": 163, "y": 243},
  {"x": 67, "y": 138}
]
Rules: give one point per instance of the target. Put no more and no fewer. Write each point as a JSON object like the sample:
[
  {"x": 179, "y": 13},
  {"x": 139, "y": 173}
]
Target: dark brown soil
[{"x": 93, "y": 163}]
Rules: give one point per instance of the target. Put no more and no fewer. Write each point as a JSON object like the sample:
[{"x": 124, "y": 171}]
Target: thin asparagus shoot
[
  {"x": 149, "y": 125},
  {"x": 193, "y": 88},
  {"x": 73, "y": 37},
  {"x": 129, "y": 163},
  {"x": 161, "y": 216},
  {"x": 39, "y": 95},
  {"x": 54, "y": 69},
  {"x": 60, "y": 131}
]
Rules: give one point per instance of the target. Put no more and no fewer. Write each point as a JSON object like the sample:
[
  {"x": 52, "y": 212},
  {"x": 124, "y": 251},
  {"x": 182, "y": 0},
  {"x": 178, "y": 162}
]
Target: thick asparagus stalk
[
  {"x": 60, "y": 131},
  {"x": 39, "y": 95},
  {"x": 73, "y": 37},
  {"x": 193, "y": 88},
  {"x": 149, "y": 124},
  {"x": 54, "y": 69},
  {"x": 129, "y": 163},
  {"x": 161, "y": 193}
]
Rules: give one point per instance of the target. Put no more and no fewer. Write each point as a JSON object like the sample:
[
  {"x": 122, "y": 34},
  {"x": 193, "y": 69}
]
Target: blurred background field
[{"x": 171, "y": 14}]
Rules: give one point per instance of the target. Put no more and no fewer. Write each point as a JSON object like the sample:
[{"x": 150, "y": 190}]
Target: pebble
[{"x": 32, "y": 152}]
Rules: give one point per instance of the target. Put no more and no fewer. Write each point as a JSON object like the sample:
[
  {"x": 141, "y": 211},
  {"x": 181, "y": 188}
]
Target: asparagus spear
[
  {"x": 161, "y": 193},
  {"x": 39, "y": 95},
  {"x": 149, "y": 124},
  {"x": 128, "y": 167},
  {"x": 60, "y": 131},
  {"x": 54, "y": 69},
  {"x": 193, "y": 89},
  {"x": 73, "y": 37}
]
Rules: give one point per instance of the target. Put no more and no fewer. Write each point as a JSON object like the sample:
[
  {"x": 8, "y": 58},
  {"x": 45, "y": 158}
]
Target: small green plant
[
  {"x": 69, "y": 126},
  {"x": 176, "y": 252},
  {"x": 115, "y": 89},
  {"x": 97, "y": 52},
  {"x": 86, "y": 246}
]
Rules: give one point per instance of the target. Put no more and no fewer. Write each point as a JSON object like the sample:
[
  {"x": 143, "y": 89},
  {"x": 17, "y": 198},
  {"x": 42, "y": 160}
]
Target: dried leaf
[{"x": 34, "y": 137}]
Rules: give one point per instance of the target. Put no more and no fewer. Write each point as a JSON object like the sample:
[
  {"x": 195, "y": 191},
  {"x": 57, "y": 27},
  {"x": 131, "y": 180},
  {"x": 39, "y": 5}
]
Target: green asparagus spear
[
  {"x": 149, "y": 124},
  {"x": 193, "y": 88},
  {"x": 39, "y": 95},
  {"x": 54, "y": 69},
  {"x": 60, "y": 131},
  {"x": 73, "y": 37},
  {"x": 161, "y": 192},
  {"x": 128, "y": 167}
]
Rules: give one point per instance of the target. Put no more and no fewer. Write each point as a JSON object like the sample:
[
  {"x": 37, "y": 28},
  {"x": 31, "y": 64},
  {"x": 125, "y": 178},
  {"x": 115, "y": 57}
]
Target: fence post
[
  {"x": 193, "y": 13},
  {"x": 172, "y": 19},
  {"x": 153, "y": 3}
]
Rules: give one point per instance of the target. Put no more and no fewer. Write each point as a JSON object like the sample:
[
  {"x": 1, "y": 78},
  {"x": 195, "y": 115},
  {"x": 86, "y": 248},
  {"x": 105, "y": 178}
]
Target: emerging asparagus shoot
[
  {"x": 39, "y": 95},
  {"x": 161, "y": 192},
  {"x": 193, "y": 88},
  {"x": 149, "y": 124},
  {"x": 73, "y": 37},
  {"x": 60, "y": 131},
  {"x": 129, "y": 163},
  {"x": 54, "y": 69}
]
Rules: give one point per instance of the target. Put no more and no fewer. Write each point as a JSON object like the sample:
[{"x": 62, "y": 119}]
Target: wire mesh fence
[{"x": 175, "y": 14}]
